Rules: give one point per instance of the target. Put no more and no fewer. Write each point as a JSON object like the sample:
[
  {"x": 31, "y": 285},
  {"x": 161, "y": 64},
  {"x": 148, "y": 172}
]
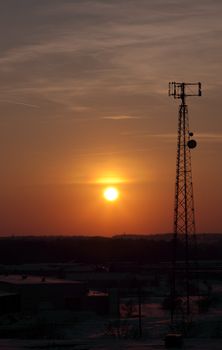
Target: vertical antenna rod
[{"x": 184, "y": 218}]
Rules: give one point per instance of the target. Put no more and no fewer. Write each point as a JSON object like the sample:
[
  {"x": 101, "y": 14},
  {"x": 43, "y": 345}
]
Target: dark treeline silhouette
[{"x": 100, "y": 250}]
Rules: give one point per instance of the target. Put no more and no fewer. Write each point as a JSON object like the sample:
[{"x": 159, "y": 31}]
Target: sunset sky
[{"x": 84, "y": 104}]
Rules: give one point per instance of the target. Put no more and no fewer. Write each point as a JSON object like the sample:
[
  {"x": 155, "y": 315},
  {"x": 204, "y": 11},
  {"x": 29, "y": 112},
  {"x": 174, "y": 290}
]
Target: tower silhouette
[{"x": 184, "y": 215}]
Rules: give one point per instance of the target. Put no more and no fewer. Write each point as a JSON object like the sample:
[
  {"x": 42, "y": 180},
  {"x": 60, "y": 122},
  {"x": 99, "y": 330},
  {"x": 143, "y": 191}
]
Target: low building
[{"x": 34, "y": 293}]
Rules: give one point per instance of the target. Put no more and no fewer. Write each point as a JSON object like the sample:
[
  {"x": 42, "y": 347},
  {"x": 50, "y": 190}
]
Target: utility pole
[{"x": 184, "y": 216}]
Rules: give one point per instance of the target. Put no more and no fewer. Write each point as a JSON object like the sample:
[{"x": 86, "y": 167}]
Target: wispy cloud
[
  {"x": 111, "y": 48},
  {"x": 121, "y": 117},
  {"x": 123, "y": 152},
  {"x": 145, "y": 134},
  {"x": 14, "y": 102},
  {"x": 212, "y": 137},
  {"x": 112, "y": 60}
]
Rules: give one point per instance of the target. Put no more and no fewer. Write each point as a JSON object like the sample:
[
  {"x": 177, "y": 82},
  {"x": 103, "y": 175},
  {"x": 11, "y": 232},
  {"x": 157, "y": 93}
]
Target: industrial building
[{"x": 33, "y": 293}]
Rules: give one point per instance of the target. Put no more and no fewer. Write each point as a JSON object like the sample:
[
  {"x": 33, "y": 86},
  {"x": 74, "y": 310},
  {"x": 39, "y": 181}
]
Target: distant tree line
[{"x": 99, "y": 250}]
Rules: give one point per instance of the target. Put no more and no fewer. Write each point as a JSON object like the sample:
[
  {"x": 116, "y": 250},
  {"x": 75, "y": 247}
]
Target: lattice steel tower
[{"x": 184, "y": 218}]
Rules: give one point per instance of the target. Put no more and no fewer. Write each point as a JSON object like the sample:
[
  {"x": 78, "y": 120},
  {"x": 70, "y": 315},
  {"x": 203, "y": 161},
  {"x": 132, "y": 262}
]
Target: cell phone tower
[{"x": 184, "y": 216}]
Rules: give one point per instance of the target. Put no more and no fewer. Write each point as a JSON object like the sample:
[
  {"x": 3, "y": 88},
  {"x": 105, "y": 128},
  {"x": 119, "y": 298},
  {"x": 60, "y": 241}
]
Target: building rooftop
[
  {"x": 96, "y": 293},
  {"x": 7, "y": 294},
  {"x": 25, "y": 279}
]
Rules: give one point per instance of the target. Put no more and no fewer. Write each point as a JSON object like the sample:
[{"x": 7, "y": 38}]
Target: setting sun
[{"x": 111, "y": 194}]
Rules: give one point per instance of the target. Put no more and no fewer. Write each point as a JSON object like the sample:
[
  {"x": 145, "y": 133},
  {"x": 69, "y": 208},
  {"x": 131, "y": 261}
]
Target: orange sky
[{"x": 84, "y": 97}]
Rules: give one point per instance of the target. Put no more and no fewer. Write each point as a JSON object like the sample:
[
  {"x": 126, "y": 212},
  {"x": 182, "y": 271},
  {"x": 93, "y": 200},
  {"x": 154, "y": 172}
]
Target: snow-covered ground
[
  {"x": 189, "y": 344},
  {"x": 82, "y": 331}
]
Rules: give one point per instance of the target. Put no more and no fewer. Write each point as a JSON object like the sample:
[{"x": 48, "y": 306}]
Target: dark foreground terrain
[{"x": 106, "y": 293}]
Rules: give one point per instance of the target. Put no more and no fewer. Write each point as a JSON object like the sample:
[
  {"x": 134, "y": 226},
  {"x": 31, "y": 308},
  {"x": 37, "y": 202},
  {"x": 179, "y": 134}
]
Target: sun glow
[
  {"x": 111, "y": 194},
  {"x": 106, "y": 180}
]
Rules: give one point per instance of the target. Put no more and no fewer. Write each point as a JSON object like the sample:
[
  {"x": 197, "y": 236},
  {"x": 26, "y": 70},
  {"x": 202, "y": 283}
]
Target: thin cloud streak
[
  {"x": 108, "y": 153},
  {"x": 173, "y": 136},
  {"x": 121, "y": 117},
  {"x": 19, "y": 103}
]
